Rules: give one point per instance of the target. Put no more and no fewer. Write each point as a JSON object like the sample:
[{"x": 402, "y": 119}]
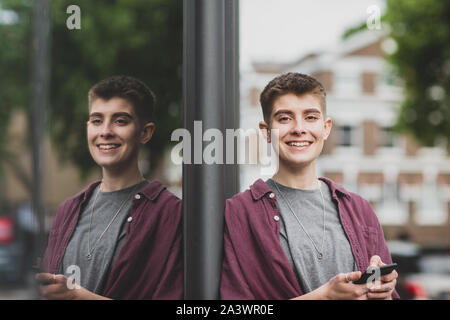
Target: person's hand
[
  {"x": 340, "y": 287},
  {"x": 55, "y": 287},
  {"x": 382, "y": 289}
]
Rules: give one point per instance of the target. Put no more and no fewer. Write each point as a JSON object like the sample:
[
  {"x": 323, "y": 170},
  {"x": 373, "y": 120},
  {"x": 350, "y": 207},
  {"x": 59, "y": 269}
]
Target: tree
[
  {"x": 421, "y": 30},
  {"x": 141, "y": 38},
  {"x": 14, "y": 68}
]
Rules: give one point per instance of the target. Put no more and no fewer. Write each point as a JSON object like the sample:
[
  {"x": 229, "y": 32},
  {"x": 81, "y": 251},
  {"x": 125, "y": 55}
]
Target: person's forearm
[
  {"x": 84, "y": 294},
  {"x": 318, "y": 294}
]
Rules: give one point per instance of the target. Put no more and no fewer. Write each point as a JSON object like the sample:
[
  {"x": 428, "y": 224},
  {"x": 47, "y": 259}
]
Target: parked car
[
  {"x": 424, "y": 273},
  {"x": 12, "y": 252}
]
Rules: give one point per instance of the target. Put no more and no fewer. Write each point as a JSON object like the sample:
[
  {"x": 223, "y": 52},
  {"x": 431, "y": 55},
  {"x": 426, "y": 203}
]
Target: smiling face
[
  {"x": 114, "y": 133},
  {"x": 302, "y": 128}
]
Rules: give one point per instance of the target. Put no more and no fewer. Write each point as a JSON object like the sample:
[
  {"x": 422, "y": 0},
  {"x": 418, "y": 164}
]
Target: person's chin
[
  {"x": 108, "y": 163},
  {"x": 297, "y": 160}
]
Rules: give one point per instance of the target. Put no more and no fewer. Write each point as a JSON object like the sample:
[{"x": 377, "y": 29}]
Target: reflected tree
[{"x": 141, "y": 38}]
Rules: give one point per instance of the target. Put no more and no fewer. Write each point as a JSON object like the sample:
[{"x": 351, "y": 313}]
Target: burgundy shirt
[
  {"x": 255, "y": 265},
  {"x": 150, "y": 263}
]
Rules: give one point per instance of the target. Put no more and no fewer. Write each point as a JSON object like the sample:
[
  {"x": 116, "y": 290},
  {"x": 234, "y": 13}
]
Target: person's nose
[
  {"x": 298, "y": 127},
  {"x": 106, "y": 130}
]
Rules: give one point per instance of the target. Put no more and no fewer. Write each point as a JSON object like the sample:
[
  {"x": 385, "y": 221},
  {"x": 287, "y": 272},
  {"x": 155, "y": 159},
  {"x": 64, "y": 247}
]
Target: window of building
[
  {"x": 386, "y": 137},
  {"x": 346, "y": 136}
]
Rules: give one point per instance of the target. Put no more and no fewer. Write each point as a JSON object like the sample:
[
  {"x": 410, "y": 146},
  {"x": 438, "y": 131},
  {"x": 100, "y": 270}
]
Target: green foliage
[
  {"x": 14, "y": 66},
  {"x": 421, "y": 30},
  {"x": 140, "y": 38},
  {"x": 354, "y": 30}
]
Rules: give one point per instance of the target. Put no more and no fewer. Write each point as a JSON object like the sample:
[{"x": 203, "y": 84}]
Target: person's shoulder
[
  {"x": 78, "y": 197},
  {"x": 157, "y": 192},
  {"x": 240, "y": 197},
  {"x": 244, "y": 201},
  {"x": 170, "y": 195},
  {"x": 358, "y": 200},
  {"x": 171, "y": 200},
  {"x": 360, "y": 205},
  {"x": 161, "y": 199},
  {"x": 340, "y": 192},
  {"x": 251, "y": 193},
  {"x": 70, "y": 204}
]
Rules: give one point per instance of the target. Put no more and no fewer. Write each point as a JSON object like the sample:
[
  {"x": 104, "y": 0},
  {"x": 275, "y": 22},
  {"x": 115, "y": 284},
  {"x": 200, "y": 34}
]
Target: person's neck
[
  {"x": 114, "y": 180},
  {"x": 303, "y": 178}
]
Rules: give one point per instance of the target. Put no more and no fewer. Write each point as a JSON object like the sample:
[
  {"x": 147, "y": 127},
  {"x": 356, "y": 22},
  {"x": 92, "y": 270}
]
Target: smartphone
[{"x": 386, "y": 269}]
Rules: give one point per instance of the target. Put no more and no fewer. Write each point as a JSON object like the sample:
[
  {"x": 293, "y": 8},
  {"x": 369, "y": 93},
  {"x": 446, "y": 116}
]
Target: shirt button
[
  {"x": 130, "y": 219},
  {"x": 272, "y": 195},
  {"x": 137, "y": 197},
  {"x": 276, "y": 218}
]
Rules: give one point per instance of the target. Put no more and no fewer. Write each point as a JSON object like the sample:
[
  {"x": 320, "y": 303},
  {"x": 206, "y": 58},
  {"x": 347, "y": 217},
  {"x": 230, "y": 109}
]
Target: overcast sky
[{"x": 285, "y": 30}]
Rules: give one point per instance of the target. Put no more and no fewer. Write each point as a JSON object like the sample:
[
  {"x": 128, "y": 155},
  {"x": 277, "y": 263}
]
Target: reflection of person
[
  {"x": 122, "y": 233},
  {"x": 297, "y": 236}
]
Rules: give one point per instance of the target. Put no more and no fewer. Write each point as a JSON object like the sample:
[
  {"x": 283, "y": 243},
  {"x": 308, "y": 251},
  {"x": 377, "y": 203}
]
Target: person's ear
[
  {"x": 147, "y": 132},
  {"x": 327, "y": 126},
  {"x": 265, "y": 129}
]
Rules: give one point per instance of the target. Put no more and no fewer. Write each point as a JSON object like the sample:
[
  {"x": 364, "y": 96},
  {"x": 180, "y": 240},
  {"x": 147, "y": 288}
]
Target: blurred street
[{"x": 25, "y": 291}]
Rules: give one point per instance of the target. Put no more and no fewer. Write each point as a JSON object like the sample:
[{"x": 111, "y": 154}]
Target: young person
[
  {"x": 121, "y": 237},
  {"x": 296, "y": 236}
]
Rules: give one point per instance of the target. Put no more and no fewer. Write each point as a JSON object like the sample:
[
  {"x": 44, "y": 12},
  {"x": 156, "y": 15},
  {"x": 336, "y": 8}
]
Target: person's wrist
[
  {"x": 80, "y": 293},
  {"x": 323, "y": 292},
  {"x": 75, "y": 294}
]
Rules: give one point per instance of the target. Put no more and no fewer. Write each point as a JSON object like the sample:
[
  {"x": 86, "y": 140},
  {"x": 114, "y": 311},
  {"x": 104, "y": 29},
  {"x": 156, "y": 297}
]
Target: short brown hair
[
  {"x": 131, "y": 89},
  {"x": 292, "y": 82}
]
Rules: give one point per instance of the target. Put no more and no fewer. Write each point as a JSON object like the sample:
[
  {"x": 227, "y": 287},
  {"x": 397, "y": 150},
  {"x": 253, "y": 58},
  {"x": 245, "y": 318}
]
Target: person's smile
[
  {"x": 108, "y": 147},
  {"x": 299, "y": 145}
]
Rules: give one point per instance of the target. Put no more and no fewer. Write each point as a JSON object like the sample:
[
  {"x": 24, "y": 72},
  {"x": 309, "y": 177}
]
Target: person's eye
[
  {"x": 312, "y": 118},
  {"x": 95, "y": 121},
  {"x": 284, "y": 119},
  {"x": 121, "y": 121}
]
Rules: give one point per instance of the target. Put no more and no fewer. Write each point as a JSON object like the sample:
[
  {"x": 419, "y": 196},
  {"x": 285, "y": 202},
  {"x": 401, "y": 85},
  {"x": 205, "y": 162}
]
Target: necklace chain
[
  {"x": 89, "y": 250},
  {"x": 319, "y": 252}
]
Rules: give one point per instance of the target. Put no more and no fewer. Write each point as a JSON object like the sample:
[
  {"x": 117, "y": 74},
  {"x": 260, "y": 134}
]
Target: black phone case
[{"x": 386, "y": 269}]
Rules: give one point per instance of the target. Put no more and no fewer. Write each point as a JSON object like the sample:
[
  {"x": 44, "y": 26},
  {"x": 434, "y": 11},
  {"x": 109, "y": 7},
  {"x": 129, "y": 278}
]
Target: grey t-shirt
[
  {"x": 312, "y": 272},
  {"x": 93, "y": 272}
]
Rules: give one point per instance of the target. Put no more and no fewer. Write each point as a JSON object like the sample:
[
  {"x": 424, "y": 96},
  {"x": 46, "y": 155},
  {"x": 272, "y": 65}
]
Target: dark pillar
[
  {"x": 40, "y": 78},
  {"x": 211, "y": 95}
]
